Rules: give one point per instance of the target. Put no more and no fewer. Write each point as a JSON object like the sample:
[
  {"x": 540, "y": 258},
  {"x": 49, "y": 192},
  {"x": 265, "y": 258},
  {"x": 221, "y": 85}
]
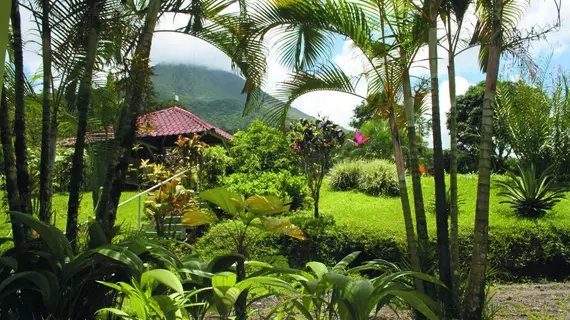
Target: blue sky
[{"x": 176, "y": 48}]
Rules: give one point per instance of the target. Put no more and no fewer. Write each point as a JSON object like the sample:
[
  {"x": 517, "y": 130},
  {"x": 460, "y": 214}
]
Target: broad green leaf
[
  {"x": 97, "y": 237},
  {"x": 224, "y": 280},
  {"x": 224, "y": 263},
  {"x": 229, "y": 202},
  {"x": 342, "y": 264},
  {"x": 196, "y": 217},
  {"x": 224, "y": 300},
  {"x": 282, "y": 226},
  {"x": 266, "y": 281},
  {"x": 411, "y": 297},
  {"x": 114, "y": 311},
  {"x": 40, "y": 282},
  {"x": 318, "y": 268},
  {"x": 52, "y": 236},
  {"x": 122, "y": 255},
  {"x": 166, "y": 277},
  {"x": 264, "y": 205},
  {"x": 358, "y": 295}
]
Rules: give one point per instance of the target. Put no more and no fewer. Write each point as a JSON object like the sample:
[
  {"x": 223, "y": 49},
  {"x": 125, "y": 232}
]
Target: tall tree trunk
[
  {"x": 476, "y": 287},
  {"x": 5, "y": 9},
  {"x": 453, "y": 210},
  {"x": 421, "y": 223},
  {"x": 10, "y": 168},
  {"x": 19, "y": 118},
  {"x": 83, "y": 100},
  {"x": 410, "y": 234},
  {"x": 127, "y": 129},
  {"x": 46, "y": 166},
  {"x": 439, "y": 175}
]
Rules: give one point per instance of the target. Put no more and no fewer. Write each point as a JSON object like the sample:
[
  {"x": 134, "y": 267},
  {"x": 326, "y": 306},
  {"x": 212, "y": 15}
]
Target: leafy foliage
[
  {"x": 529, "y": 193},
  {"x": 316, "y": 141},
  {"x": 263, "y": 163},
  {"x": 373, "y": 177},
  {"x": 216, "y": 162}
]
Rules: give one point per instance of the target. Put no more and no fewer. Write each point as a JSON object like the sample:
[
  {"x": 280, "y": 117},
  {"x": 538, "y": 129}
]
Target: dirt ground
[{"x": 532, "y": 301}]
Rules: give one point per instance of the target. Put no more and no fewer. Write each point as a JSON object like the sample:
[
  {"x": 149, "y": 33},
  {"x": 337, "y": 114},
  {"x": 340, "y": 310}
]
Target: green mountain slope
[{"x": 212, "y": 95}]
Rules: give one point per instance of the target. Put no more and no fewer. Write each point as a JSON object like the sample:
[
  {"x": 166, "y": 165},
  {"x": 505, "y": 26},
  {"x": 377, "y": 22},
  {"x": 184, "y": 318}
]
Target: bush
[
  {"x": 283, "y": 185},
  {"x": 373, "y": 177},
  {"x": 215, "y": 165},
  {"x": 524, "y": 253}
]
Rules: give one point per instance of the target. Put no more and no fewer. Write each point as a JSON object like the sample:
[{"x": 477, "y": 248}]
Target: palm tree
[
  {"x": 10, "y": 167},
  {"x": 359, "y": 22},
  {"x": 497, "y": 32},
  {"x": 92, "y": 23},
  {"x": 5, "y": 9},
  {"x": 20, "y": 143},
  {"x": 46, "y": 166},
  {"x": 455, "y": 10},
  {"x": 432, "y": 8}
]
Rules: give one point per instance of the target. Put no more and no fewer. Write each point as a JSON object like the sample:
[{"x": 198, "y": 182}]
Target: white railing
[{"x": 139, "y": 196}]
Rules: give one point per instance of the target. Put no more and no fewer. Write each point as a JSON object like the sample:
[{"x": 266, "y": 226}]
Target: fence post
[{"x": 139, "y": 218}]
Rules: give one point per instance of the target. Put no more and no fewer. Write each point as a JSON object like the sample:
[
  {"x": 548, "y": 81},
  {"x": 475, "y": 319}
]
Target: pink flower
[{"x": 295, "y": 147}]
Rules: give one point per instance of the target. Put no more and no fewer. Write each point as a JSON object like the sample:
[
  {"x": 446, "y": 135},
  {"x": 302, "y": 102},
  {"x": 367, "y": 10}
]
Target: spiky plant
[{"x": 531, "y": 195}]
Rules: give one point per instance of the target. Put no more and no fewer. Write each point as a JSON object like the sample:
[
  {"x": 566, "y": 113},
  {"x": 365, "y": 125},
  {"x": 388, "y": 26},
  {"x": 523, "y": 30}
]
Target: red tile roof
[{"x": 174, "y": 121}]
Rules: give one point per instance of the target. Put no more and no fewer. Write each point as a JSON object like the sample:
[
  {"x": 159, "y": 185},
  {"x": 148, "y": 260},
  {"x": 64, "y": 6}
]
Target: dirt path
[{"x": 532, "y": 301}]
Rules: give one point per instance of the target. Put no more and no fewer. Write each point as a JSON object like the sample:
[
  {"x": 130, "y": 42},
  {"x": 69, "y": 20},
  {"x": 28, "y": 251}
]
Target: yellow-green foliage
[{"x": 373, "y": 177}]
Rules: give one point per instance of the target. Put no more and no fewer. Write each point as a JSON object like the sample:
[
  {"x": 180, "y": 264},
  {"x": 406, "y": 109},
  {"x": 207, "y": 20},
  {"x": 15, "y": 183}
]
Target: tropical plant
[
  {"x": 340, "y": 293},
  {"x": 166, "y": 205},
  {"x": 45, "y": 279},
  {"x": 146, "y": 303},
  {"x": 4, "y": 27},
  {"x": 529, "y": 193},
  {"x": 253, "y": 212},
  {"x": 316, "y": 141}
]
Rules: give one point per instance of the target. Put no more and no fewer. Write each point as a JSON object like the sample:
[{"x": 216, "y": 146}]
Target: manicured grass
[
  {"x": 127, "y": 215},
  {"x": 359, "y": 210}
]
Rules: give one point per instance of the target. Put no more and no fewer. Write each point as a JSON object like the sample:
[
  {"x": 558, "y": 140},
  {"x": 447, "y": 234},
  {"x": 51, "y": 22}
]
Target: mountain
[{"x": 213, "y": 95}]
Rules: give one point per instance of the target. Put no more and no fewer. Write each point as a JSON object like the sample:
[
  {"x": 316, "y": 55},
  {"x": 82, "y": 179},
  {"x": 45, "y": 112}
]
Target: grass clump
[{"x": 373, "y": 177}]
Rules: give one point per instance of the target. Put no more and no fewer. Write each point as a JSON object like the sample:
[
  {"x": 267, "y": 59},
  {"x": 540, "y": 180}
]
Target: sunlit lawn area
[
  {"x": 357, "y": 210},
  {"x": 126, "y": 215}
]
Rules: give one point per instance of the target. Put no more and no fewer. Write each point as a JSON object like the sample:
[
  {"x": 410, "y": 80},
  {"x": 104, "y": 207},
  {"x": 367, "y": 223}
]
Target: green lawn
[
  {"x": 126, "y": 215},
  {"x": 356, "y": 209}
]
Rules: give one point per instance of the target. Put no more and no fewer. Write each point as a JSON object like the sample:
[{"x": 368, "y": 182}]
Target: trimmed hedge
[{"x": 520, "y": 253}]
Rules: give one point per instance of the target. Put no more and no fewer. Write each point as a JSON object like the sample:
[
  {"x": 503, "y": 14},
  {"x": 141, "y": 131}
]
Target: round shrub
[{"x": 373, "y": 177}]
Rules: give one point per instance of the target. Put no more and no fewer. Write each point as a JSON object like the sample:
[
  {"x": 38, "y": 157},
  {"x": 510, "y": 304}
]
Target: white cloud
[{"x": 461, "y": 86}]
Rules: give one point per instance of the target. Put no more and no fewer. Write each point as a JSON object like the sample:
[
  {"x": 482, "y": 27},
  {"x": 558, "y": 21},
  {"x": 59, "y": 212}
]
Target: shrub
[
  {"x": 373, "y": 177},
  {"x": 529, "y": 194},
  {"x": 526, "y": 252},
  {"x": 262, "y": 148},
  {"x": 214, "y": 168},
  {"x": 282, "y": 184}
]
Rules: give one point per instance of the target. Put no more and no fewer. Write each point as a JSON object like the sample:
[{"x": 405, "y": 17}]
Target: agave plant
[{"x": 530, "y": 194}]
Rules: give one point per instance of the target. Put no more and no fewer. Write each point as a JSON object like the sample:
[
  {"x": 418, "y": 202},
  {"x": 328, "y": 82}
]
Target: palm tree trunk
[
  {"x": 19, "y": 118},
  {"x": 421, "y": 223},
  {"x": 476, "y": 288},
  {"x": 454, "y": 210},
  {"x": 5, "y": 9},
  {"x": 410, "y": 234},
  {"x": 46, "y": 166},
  {"x": 439, "y": 175},
  {"x": 10, "y": 168},
  {"x": 83, "y": 100},
  {"x": 127, "y": 129}
]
